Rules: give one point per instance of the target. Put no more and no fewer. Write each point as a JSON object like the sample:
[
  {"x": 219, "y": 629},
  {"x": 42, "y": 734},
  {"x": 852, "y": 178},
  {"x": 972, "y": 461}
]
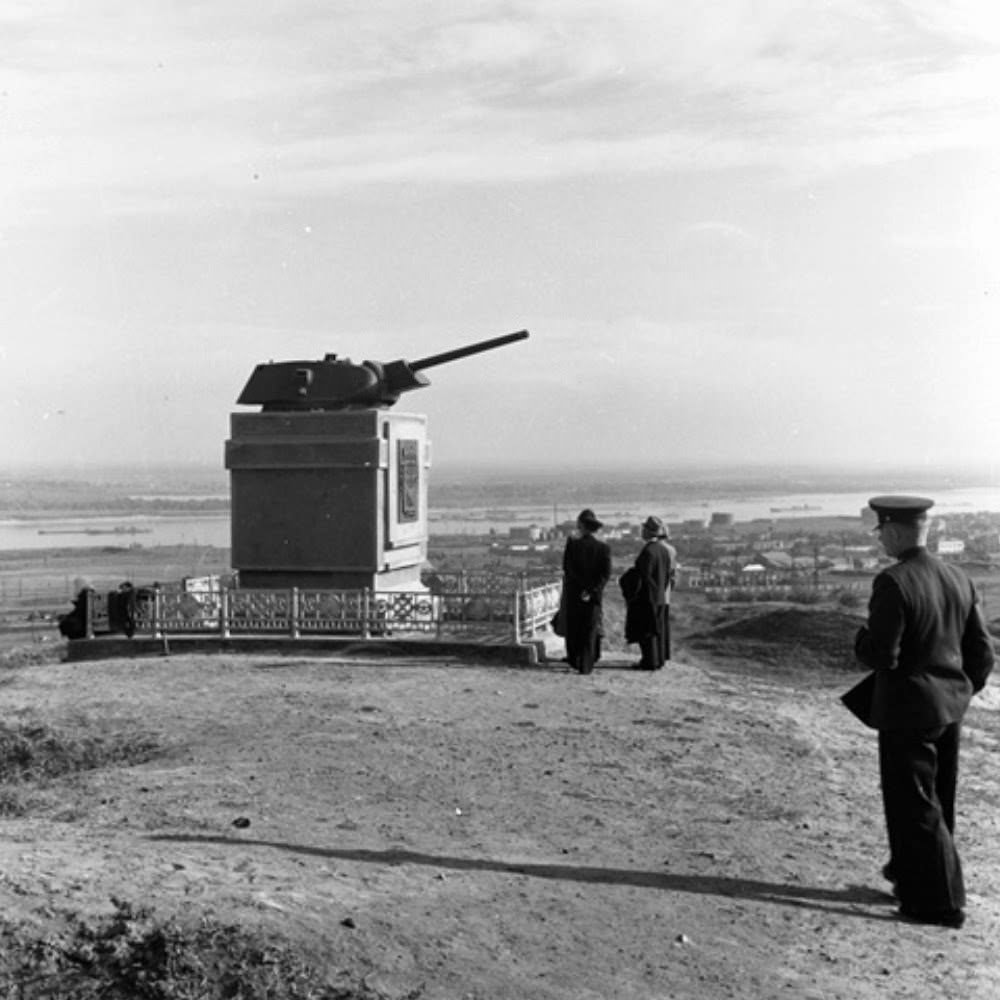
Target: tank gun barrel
[
  {"x": 463, "y": 352},
  {"x": 337, "y": 384}
]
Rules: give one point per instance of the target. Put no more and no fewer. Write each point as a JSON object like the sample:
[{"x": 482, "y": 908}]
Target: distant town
[{"x": 718, "y": 550}]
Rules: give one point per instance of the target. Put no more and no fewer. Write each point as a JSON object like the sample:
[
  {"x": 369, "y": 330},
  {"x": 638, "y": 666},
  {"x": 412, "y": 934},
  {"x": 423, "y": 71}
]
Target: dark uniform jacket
[{"x": 926, "y": 641}]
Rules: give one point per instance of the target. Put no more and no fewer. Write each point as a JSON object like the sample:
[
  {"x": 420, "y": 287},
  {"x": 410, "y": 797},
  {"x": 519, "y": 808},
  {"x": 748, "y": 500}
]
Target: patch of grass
[
  {"x": 131, "y": 955},
  {"x": 18, "y": 653},
  {"x": 785, "y": 637},
  {"x": 32, "y": 752}
]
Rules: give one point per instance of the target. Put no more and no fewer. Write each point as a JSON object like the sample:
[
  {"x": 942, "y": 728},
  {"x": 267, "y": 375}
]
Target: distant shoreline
[
  {"x": 490, "y": 497},
  {"x": 207, "y": 480}
]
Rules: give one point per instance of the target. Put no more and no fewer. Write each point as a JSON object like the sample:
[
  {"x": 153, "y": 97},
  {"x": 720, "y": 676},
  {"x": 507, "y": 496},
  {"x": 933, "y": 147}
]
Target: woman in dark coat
[
  {"x": 646, "y": 587},
  {"x": 586, "y": 571}
]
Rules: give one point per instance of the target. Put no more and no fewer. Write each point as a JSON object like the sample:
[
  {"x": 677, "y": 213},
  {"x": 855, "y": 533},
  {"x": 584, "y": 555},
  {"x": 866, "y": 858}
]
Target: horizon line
[{"x": 985, "y": 472}]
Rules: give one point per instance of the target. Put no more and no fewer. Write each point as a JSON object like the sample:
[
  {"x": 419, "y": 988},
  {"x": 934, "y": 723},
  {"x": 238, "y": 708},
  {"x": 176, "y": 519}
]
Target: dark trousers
[
  {"x": 919, "y": 770},
  {"x": 655, "y": 646}
]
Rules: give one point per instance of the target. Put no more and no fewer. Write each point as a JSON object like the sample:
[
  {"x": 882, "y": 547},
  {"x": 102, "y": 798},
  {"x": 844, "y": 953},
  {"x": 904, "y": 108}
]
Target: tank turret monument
[{"x": 328, "y": 483}]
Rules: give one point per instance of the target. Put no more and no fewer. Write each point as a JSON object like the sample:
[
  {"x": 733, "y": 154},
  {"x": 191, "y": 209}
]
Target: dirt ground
[{"x": 443, "y": 830}]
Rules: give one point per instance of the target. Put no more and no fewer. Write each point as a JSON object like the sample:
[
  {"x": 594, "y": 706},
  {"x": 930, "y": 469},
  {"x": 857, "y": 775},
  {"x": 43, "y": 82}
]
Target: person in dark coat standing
[
  {"x": 647, "y": 593},
  {"x": 586, "y": 571},
  {"x": 928, "y": 646}
]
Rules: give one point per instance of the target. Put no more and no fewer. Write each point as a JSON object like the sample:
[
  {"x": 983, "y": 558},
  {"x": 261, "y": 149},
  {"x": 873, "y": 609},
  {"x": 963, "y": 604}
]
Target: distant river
[
  {"x": 743, "y": 507},
  {"x": 98, "y": 532},
  {"x": 213, "y": 529}
]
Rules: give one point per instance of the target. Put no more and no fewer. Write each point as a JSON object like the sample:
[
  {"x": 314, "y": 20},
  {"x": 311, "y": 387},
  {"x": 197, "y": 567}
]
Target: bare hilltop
[{"x": 372, "y": 826}]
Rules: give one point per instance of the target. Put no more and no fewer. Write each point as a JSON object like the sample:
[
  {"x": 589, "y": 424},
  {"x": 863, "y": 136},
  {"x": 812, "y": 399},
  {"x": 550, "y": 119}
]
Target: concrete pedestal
[{"x": 329, "y": 500}]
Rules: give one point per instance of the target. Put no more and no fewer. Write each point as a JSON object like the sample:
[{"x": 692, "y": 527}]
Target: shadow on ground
[{"x": 843, "y": 901}]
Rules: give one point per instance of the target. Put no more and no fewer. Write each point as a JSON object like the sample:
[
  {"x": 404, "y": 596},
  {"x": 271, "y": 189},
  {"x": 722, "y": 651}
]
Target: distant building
[
  {"x": 612, "y": 532},
  {"x": 861, "y": 557},
  {"x": 519, "y": 548},
  {"x": 861, "y": 563},
  {"x": 622, "y": 530},
  {"x": 721, "y": 519},
  {"x": 950, "y": 546},
  {"x": 773, "y": 560},
  {"x": 531, "y": 533},
  {"x": 727, "y": 548},
  {"x": 859, "y": 551},
  {"x": 811, "y": 563}
]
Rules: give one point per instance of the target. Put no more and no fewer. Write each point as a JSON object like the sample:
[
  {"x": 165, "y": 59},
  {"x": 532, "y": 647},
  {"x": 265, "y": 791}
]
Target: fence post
[
  {"x": 517, "y": 613},
  {"x": 366, "y": 625},
  {"x": 157, "y": 612},
  {"x": 293, "y": 613},
  {"x": 88, "y": 613},
  {"x": 224, "y": 612}
]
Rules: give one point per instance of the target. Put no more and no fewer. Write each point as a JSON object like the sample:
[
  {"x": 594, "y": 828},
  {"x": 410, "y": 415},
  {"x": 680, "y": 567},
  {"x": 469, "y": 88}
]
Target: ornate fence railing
[
  {"x": 512, "y": 614},
  {"x": 537, "y": 606}
]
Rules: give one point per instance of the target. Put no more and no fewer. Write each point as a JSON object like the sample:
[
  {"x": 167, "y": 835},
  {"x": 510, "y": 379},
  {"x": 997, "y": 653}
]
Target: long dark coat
[
  {"x": 586, "y": 571},
  {"x": 646, "y": 588}
]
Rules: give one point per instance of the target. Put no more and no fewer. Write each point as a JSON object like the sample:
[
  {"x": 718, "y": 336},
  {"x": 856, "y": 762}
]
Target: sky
[{"x": 744, "y": 231}]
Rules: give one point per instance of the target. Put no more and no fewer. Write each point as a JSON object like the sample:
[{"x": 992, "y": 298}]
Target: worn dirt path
[{"x": 446, "y": 830}]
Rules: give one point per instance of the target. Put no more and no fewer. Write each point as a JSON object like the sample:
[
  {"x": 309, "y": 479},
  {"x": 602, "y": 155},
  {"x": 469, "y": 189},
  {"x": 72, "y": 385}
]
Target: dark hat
[
  {"x": 655, "y": 527},
  {"x": 900, "y": 509},
  {"x": 588, "y": 519}
]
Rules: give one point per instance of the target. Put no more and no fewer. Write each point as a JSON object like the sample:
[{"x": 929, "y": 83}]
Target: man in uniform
[{"x": 930, "y": 651}]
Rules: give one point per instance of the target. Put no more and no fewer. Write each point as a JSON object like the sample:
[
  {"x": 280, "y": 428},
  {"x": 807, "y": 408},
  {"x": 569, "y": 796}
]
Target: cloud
[{"x": 191, "y": 106}]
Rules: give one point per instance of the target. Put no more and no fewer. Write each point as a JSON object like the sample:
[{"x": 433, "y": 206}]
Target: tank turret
[{"x": 338, "y": 384}]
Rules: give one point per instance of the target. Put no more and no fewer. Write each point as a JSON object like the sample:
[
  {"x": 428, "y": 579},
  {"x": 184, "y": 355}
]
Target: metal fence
[{"x": 509, "y": 611}]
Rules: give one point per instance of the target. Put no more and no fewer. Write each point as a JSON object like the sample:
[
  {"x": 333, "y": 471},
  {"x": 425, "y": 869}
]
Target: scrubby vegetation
[
  {"x": 132, "y": 955},
  {"x": 21, "y": 654},
  {"x": 784, "y": 637},
  {"x": 752, "y": 595},
  {"x": 31, "y": 753}
]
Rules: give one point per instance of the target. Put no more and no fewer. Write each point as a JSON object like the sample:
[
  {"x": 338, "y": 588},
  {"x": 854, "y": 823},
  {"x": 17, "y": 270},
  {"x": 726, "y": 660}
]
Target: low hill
[{"x": 366, "y": 829}]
